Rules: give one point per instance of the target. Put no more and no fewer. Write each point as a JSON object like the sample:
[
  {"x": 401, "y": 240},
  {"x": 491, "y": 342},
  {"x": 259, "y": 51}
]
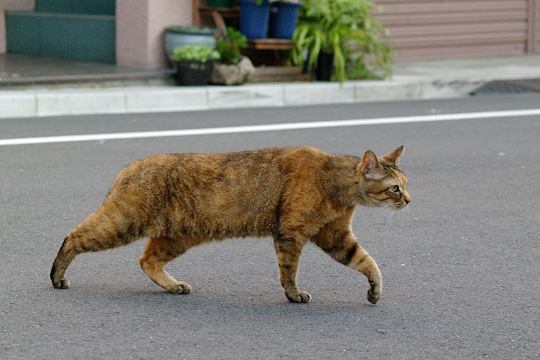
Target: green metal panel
[
  {"x": 95, "y": 7},
  {"x": 76, "y": 37},
  {"x": 21, "y": 34}
]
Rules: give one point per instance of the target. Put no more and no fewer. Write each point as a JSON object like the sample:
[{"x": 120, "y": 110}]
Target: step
[
  {"x": 80, "y": 37},
  {"x": 93, "y": 7}
]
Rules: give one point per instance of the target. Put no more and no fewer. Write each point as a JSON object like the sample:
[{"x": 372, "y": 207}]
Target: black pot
[
  {"x": 325, "y": 66},
  {"x": 193, "y": 73}
]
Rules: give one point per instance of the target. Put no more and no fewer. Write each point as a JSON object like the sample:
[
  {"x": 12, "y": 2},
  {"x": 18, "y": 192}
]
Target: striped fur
[{"x": 295, "y": 195}]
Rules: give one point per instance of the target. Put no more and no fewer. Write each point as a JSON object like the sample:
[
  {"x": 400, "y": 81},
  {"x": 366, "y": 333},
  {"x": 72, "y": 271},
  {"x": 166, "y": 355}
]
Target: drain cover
[{"x": 508, "y": 87}]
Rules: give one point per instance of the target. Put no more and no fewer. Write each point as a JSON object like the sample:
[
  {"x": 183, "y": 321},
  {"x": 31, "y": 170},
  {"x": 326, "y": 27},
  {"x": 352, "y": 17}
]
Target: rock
[{"x": 233, "y": 74}]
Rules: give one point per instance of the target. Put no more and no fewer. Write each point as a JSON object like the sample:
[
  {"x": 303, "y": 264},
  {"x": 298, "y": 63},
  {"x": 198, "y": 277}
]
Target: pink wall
[{"x": 140, "y": 27}]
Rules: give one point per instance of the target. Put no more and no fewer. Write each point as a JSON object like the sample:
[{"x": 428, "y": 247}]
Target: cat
[{"x": 295, "y": 195}]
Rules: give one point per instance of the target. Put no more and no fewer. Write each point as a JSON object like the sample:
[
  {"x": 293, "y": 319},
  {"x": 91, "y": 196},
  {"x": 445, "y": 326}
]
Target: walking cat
[{"x": 295, "y": 195}]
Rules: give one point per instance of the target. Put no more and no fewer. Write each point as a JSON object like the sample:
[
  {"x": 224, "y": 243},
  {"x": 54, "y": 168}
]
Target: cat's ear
[
  {"x": 393, "y": 156},
  {"x": 370, "y": 168}
]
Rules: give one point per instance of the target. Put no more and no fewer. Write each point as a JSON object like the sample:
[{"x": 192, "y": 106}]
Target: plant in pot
[
  {"x": 177, "y": 36},
  {"x": 254, "y": 16},
  {"x": 194, "y": 64},
  {"x": 232, "y": 68},
  {"x": 283, "y": 18},
  {"x": 340, "y": 40}
]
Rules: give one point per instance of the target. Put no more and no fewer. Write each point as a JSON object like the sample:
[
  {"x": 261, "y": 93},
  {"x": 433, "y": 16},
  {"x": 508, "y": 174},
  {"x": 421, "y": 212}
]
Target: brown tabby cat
[{"x": 296, "y": 195}]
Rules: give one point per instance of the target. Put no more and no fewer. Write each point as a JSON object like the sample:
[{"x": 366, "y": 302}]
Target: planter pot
[
  {"x": 254, "y": 18},
  {"x": 220, "y": 3},
  {"x": 193, "y": 73},
  {"x": 283, "y": 16},
  {"x": 325, "y": 66},
  {"x": 233, "y": 74},
  {"x": 177, "y": 36}
]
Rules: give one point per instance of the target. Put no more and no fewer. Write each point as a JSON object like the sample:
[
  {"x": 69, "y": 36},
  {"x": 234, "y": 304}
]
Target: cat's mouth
[{"x": 399, "y": 206}]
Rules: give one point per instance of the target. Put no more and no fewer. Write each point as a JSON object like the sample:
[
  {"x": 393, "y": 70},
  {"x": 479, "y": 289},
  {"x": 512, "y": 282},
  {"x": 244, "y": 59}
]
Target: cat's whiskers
[
  {"x": 391, "y": 213},
  {"x": 406, "y": 215},
  {"x": 385, "y": 213},
  {"x": 381, "y": 213},
  {"x": 402, "y": 217}
]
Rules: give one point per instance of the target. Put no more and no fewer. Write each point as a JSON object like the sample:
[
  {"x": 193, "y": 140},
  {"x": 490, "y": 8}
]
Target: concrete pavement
[
  {"x": 460, "y": 267},
  {"x": 419, "y": 80}
]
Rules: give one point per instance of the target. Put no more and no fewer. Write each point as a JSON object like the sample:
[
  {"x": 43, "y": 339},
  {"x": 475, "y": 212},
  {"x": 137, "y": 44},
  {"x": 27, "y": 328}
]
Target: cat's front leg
[
  {"x": 363, "y": 262},
  {"x": 288, "y": 250},
  {"x": 338, "y": 241}
]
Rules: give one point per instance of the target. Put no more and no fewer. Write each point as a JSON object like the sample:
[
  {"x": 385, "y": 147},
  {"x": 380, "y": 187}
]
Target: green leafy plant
[
  {"x": 229, "y": 46},
  {"x": 347, "y": 29},
  {"x": 195, "y": 53}
]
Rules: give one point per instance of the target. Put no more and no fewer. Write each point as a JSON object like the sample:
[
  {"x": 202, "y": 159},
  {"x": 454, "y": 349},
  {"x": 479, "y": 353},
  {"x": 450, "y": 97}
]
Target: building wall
[
  {"x": 431, "y": 29},
  {"x": 418, "y": 29},
  {"x": 140, "y": 27},
  {"x": 536, "y": 39}
]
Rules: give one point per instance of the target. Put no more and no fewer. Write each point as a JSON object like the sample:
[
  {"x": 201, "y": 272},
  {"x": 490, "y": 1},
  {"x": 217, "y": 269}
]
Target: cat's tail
[{"x": 102, "y": 230}]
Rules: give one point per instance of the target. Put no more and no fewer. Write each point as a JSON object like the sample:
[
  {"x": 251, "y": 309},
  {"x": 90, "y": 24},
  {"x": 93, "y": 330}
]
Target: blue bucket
[
  {"x": 254, "y": 18},
  {"x": 283, "y": 16}
]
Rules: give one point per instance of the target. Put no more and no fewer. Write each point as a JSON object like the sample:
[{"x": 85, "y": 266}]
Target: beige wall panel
[{"x": 430, "y": 29}]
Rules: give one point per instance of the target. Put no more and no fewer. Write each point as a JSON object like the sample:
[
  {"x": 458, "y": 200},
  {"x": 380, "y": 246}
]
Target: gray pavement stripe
[{"x": 269, "y": 127}]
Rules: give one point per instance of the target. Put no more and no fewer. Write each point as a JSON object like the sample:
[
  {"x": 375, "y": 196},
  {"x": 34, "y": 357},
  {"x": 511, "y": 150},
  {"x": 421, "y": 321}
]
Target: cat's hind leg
[
  {"x": 60, "y": 265},
  {"x": 158, "y": 252},
  {"x": 104, "y": 229}
]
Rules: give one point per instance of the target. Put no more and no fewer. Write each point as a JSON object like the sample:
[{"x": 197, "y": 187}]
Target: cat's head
[{"x": 384, "y": 183}]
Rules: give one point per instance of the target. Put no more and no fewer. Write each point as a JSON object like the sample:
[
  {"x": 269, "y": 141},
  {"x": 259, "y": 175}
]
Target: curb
[{"x": 150, "y": 99}]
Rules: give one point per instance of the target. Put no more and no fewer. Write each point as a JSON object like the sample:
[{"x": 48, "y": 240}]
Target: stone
[{"x": 233, "y": 74}]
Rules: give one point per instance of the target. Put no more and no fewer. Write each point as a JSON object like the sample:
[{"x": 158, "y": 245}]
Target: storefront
[{"x": 130, "y": 32}]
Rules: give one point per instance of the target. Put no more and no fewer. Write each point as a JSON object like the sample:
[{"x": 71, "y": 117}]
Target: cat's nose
[{"x": 406, "y": 197}]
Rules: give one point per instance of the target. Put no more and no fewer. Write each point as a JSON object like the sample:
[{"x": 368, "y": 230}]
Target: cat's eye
[{"x": 394, "y": 188}]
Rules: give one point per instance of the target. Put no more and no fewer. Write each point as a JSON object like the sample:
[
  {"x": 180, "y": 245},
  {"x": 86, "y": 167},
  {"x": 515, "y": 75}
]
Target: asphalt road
[{"x": 461, "y": 266}]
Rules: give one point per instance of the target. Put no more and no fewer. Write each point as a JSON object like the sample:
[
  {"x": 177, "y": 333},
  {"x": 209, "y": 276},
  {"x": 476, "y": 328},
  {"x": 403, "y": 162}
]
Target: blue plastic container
[
  {"x": 254, "y": 18},
  {"x": 283, "y": 16}
]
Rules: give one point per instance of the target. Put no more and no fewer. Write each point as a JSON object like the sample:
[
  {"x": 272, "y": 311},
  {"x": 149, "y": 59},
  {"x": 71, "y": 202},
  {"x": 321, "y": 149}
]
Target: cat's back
[
  {"x": 244, "y": 173},
  {"x": 237, "y": 165},
  {"x": 218, "y": 194}
]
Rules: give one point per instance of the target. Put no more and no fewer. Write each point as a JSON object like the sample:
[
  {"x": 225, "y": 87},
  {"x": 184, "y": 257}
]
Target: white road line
[{"x": 269, "y": 127}]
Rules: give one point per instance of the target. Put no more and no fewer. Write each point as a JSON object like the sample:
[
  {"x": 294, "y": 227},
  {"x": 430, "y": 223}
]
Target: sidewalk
[{"x": 419, "y": 80}]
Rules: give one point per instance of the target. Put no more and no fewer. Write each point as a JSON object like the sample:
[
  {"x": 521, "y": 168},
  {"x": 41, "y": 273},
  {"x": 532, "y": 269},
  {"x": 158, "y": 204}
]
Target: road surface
[{"x": 461, "y": 266}]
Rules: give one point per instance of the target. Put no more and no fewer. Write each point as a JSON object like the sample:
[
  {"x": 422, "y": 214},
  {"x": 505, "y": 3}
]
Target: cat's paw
[
  {"x": 373, "y": 297},
  {"x": 63, "y": 283},
  {"x": 298, "y": 297},
  {"x": 180, "y": 288}
]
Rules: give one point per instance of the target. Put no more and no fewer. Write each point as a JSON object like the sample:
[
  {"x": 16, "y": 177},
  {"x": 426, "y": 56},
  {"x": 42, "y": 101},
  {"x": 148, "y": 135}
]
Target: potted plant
[
  {"x": 283, "y": 17},
  {"x": 254, "y": 16},
  {"x": 342, "y": 38},
  {"x": 194, "y": 64},
  {"x": 232, "y": 68},
  {"x": 177, "y": 36}
]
